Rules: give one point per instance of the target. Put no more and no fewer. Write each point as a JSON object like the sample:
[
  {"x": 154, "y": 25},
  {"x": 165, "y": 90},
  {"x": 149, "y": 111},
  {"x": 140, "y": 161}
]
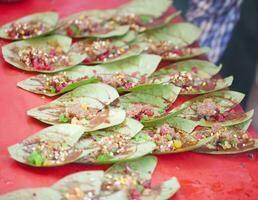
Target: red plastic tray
[{"x": 201, "y": 176}]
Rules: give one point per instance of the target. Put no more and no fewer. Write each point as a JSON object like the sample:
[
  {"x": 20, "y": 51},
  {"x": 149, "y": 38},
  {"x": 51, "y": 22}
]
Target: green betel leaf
[
  {"x": 182, "y": 124},
  {"x": 215, "y": 85},
  {"x": 244, "y": 125},
  {"x": 130, "y": 127},
  {"x": 163, "y": 191},
  {"x": 136, "y": 68},
  {"x": 144, "y": 64},
  {"x": 86, "y": 106},
  {"x": 33, "y": 193},
  {"x": 144, "y": 7},
  {"x": 87, "y": 184},
  {"x": 203, "y": 69},
  {"x": 184, "y": 53},
  {"x": 74, "y": 25},
  {"x": 46, "y": 20},
  {"x": 139, "y": 171},
  {"x": 179, "y": 35},
  {"x": 162, "y": 21},
  {"x": 237, "y": 118},
  {"x": 47, "y": 54},
  {"x": 171, "y": 138},
  {"x": 121, "y": 195},
  {"x": 134, "y": 177},
  {"x": 127, "y": 150},
  {"x": 143, "y": 166},
  {"x": 228, "y": 140},
  {"x": 52, "y": 146},
  {"x": 213, "y": 107},
  {"x": 148, "y": 102}
]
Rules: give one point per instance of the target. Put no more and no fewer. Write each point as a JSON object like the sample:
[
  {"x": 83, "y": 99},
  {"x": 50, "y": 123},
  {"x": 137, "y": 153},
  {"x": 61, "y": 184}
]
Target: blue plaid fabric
[{"x": 217, "y": 19}]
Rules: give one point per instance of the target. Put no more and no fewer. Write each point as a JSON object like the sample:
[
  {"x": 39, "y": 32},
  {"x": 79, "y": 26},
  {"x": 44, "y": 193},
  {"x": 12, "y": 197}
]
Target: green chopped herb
[
  {"x": 140, "y": 188},
  {"x": 103, "y": 157},
  {"x": 161, "y": 110},
  {"x": 169, "y": 137},
  {"x": 35, "y": 158},
  {"x": 142, "y": 137},
  {"x": 146, "y": 18},
  {"x": 145, "y": 118},
  {"x": 75, "y": 30},
  {"x": 52, "y": 89},
  {"x": 63, "y": 118},
  {"x": 114, "y": 150},
  {"x": 65, "y": 145}
]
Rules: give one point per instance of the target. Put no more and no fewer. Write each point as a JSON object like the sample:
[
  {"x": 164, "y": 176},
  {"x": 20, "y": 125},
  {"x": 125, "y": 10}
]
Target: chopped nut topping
[{"x": 26, "y": 30}]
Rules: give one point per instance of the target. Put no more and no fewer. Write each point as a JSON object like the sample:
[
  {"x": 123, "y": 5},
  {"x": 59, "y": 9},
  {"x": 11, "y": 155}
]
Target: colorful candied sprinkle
[
  {"x": 189, "y": 81},
  {"x": 140, "y": 111},
  {"x": 26, "y": 30},
  {"x": 119, "y": 80},
  {"x": 110, "y": 146},
  {"x": 136, "y": 22},
  {"x": 55, "y": 84},
  {"x": 130, "y": 181},
  {"x": 44, "y": 58},
  {"x": 169, "y": 139},
  {"x": 78, "y": 193},
  {"x": 168, "y": 50},
  {"x": 43, "y": 153},
  {"x": 209, "y": 110},
  {"x": 225, "y": 137},
  {"x": 100, "y": 50},
  {"x": 86, "y": 25}
]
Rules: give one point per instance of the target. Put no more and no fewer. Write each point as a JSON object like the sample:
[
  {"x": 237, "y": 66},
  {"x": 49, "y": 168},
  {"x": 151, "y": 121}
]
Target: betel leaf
[
  {"x": 187, "y": 53},
  {"x": 141, "y": 169},
  {"x": 182, "y": 124},
  {"x": 137, "y": 150},
  {"x": 179, "y": 35},
  {"x": 144, "y": 7},
  {"x": 11, "y": 56},
  {"x": 32, "y": 193},
  {"x": 100, "y": 17},
  {"x": 232, "y": 139},
  {"x": 133, "y": 50},
  {"x": 225, "y": 100},
  {"x": 187, "y": 148},
  {"x": 154, "y": 94},
  {"x": 149, "y": 102},
  {"x": 161, "y": 21},
  {"x": 142, "y": 65},
  {"x": 219, "y": 85},
  {"x": 130, "y": 127},
  {"x": 143, "y": 166},
  {"x": 47, "y": 18},
  {"x": 121, "y": 195},
  {"x": 87, "y": 183},
  {"x": 164, "y": 190},
  {"x": 203, "y": 69},
  {"x": 87, "y": 105},
  {"x": 230, "y": 122},
  {"x": 39, "y": 149}
]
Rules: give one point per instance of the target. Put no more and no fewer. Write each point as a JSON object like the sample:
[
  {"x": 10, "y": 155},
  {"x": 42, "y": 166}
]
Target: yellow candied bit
[
  {"x": 177, "y": 144},
  {"x": 84, "y": 106},
  {"x": 47, "y": 163},
  {"x": 59, "y": 49},
  {"x": 78, "y": 192},
  {"x": 75, "y": 121}
]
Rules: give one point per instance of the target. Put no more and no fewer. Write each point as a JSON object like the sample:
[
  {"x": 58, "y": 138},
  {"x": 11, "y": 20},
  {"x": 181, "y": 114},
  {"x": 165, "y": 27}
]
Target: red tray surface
[{"x": 201, "y": 176}]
